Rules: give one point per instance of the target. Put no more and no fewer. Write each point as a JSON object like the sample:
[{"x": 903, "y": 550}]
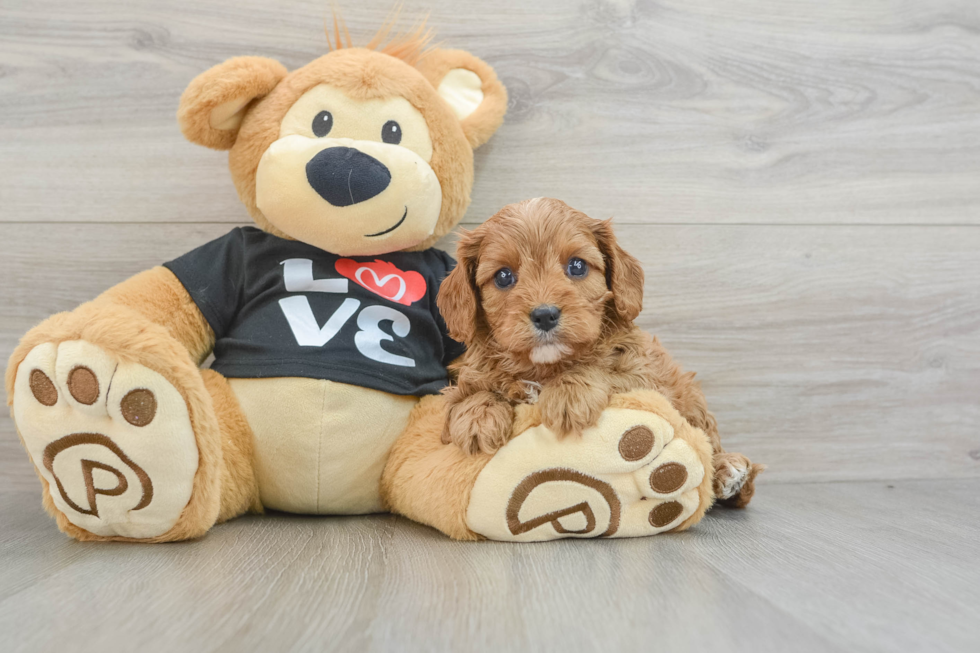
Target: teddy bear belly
[{"x": 320, "y": 446}]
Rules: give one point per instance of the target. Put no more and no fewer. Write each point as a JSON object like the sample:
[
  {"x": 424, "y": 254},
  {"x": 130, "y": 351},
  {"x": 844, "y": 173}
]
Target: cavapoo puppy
[{"x": 544, "y": 299}]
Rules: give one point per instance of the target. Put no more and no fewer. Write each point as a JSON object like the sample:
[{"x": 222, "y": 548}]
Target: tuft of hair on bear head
[{"x": 409, "y": 45}]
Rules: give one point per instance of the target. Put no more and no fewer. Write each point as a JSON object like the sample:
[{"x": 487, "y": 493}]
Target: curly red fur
[{"x": 595, "y": 350}]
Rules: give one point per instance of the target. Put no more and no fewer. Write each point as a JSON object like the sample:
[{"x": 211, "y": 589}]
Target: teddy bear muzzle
[{"x": 346, "y": 196}]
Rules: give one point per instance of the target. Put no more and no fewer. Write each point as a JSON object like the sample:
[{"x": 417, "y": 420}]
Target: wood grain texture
[
  {"x": 830, "y": 353},
  {"x": 761, "y": 111},
  {"x": 16, "y": 471},
  {"x": 825, "y": 567},
  {"x": 800, "y": 179}
]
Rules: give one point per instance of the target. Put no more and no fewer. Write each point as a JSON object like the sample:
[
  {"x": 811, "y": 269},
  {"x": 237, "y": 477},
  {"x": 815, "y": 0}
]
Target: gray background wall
[{"x": 801, "y": 180}]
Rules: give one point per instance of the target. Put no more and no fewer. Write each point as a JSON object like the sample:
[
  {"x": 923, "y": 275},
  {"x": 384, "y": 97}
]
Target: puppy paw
[
  {"x": 734, "y": 481},
  {"x": 480, "y": 422},
  {"x": 569, "y": 408}
]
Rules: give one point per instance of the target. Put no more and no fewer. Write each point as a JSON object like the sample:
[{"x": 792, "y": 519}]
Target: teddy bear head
[{"x": 362, "y": 151}]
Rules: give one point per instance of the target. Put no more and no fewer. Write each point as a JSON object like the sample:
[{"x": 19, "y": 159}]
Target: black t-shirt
[{"x": 284, "y": 308}]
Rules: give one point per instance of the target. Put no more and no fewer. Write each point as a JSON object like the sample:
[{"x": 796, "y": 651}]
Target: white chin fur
[{"x": 550, "y": 353}]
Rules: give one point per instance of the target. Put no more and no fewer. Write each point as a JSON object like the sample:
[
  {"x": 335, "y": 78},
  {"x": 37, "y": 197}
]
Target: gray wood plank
[
  {"x": 671, "y": 112},
  {"x": 831, "y": 353},
  {"x": 839, "y": 566},
  {"x": 16, "y": 471}
]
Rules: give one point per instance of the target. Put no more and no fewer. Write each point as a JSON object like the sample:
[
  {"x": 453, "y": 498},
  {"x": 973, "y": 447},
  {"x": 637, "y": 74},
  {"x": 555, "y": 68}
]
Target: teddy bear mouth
[{"x": 391, "y": 228}]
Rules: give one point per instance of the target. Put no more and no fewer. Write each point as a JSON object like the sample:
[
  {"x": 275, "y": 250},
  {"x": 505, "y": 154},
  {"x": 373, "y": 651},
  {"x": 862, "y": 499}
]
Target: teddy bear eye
[
  {"x": 504, "y": 278},
  {"x": 391, "y": 133},
  {"x": 577, "y": 268},
  {"x": 322, "y": 124}
]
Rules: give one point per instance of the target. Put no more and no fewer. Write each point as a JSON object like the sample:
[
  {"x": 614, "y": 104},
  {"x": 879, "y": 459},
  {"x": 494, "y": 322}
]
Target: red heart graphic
[{"x": 384, "y": 279}]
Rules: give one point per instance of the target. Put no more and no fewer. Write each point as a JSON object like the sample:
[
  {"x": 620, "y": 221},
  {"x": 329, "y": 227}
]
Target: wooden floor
[
  {"x": 802, "y": 181},
  {"x": 848, "y": 566}
]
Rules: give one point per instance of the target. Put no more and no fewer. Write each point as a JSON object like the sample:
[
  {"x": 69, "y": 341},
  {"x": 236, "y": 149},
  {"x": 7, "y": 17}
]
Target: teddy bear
[{"x": 329, "y": 350}]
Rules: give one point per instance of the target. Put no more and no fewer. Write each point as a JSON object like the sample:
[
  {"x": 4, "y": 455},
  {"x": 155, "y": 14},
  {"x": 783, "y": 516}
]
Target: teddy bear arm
[{"x": 158, "y": 295}]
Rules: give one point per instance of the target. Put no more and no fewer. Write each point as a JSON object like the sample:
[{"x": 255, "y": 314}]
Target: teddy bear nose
[
  {"x": 345, "y": 176},
  {"x": 545, "y": 318}
]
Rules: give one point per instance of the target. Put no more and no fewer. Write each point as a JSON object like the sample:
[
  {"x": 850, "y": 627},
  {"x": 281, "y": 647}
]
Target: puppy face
[{"x": 540, "y": 280}]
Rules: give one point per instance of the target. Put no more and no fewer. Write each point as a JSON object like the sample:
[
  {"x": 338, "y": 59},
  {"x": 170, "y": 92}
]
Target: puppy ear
[
  {"x": 458, "y": 299},
  {"x": 471, "y": 89},
  {"x": 624, "y": 274},
  {"x": 215, "y": 102}
]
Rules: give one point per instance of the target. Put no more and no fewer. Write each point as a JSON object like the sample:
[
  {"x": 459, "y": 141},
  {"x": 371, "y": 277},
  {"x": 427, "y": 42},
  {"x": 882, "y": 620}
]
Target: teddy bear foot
[
  {"x": 112, "y": 439},
  {"x": 628, "y": 476}
]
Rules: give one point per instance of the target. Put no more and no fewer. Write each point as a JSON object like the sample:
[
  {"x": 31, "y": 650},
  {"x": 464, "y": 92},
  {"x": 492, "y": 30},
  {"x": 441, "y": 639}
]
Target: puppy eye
[
  {"x": 391, "y": 133},
  {"x": 504, "y": 278},
  {"x": 322, "y": 124},
  {"x": 577, "y": 268}
]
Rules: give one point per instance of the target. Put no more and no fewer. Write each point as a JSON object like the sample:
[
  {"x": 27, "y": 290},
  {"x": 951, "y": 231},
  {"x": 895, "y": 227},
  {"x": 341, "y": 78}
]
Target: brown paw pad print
[
  {"x": 636, "y": 443},
  {"x": 83, "y": 385},
  {"x": 43, "y": 388},
  {"x": 668, "y": 478},
  {"x": 665, "y": 513},
  {"x": 138, "y": 407}
]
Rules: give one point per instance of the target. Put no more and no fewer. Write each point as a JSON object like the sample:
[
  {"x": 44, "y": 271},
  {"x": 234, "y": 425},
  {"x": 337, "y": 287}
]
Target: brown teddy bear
[{"x": 325, "y": 332}]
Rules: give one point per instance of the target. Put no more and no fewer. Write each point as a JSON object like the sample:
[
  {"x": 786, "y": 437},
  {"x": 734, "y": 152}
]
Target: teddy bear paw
[
  {"x": 112, "y": 439},
  {"x": 626, "y": 477}
]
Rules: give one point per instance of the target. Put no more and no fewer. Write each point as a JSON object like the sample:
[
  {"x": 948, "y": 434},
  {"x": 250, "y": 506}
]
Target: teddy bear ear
[
  {"x": 471, "y": 89},
  {"x": 215, "y": 102}
]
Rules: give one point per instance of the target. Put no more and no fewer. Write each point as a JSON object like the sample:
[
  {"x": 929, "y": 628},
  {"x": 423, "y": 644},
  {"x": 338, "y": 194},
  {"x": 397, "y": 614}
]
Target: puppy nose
[
  {"x": 345, "y": 176},
  {"x": 545, "y": 318}
]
